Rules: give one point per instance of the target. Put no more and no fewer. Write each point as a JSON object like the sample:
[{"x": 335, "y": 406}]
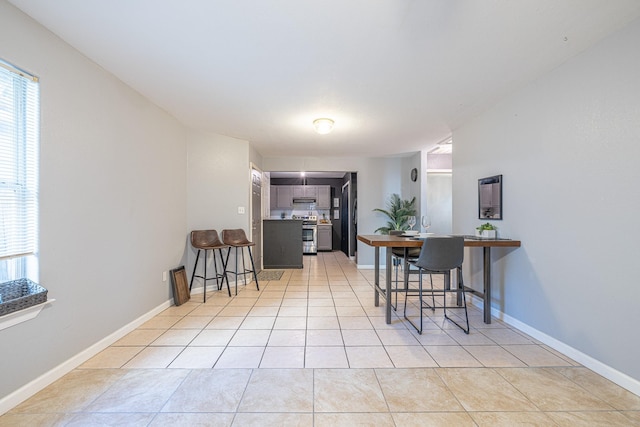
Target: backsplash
[{"x": 288, "y": 213}]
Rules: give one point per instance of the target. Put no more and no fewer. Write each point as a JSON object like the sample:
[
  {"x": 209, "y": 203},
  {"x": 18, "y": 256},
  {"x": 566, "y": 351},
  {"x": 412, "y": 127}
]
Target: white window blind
[{"x": 19, "y": 144}]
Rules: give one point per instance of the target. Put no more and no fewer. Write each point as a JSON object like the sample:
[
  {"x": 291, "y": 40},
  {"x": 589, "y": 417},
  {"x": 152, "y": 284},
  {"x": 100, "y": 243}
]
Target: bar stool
[
  {"x": 209, "y": 240},
  {"x": 237, "y": 239}
]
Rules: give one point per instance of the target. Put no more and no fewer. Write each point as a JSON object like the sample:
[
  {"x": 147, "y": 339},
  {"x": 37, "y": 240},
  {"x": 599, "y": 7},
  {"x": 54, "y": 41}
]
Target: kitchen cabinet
[
  {"x": 304, "y": 191},
  {"x": 325, "y": 237},
  {"x": 284, "y": 196},
  {"x": 273, "y": 197},
  {"x": 323, "y": 199},
  {"x": 310, "y": 191},
  {"x": 297, "y": 191}
]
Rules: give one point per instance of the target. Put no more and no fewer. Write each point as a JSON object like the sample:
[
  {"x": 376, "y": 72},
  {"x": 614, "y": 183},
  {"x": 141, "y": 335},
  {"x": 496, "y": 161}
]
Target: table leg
[
  {"x": 376, "y": 280},
  {"x": 387, "y": 303},
  {"x": 487, "y": 284}
]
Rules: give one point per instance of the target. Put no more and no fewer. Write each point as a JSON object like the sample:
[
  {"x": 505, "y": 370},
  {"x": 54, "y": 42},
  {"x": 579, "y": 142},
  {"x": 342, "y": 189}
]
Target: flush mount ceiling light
[{"x": 323, "y": 126}]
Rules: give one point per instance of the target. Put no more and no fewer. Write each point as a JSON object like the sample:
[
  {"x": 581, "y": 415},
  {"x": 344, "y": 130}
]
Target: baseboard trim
[
  {"x": 23, "y": 393},
  {"x": 620, "y": 378}
]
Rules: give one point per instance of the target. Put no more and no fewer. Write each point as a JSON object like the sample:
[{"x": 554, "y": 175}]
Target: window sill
[{"x": 20, "y": 316}]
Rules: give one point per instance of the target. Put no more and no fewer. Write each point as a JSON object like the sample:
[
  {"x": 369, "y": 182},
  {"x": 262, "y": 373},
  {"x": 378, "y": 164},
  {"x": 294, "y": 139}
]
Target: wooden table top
[{"x": 386, "y": 241}]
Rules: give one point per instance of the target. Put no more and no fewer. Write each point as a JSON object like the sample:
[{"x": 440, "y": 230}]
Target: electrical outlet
[
  {"x": 241, "y": 210},
  {"x": 164, "y": 276}
]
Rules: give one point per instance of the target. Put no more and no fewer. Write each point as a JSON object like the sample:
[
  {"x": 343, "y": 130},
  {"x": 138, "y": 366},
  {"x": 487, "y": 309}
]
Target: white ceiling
[{"x": 397, "y": 76}]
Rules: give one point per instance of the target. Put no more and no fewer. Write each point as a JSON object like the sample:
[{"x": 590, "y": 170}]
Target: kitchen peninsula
[{"x": 282, "y": 243}]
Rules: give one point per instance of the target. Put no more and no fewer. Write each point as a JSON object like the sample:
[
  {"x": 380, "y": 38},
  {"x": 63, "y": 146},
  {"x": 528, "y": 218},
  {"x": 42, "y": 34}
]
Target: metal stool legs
[
  {"x": 218, "y": 276},
  {"x": 244, "y": 269},
  {"x": 460, "y": 295}
]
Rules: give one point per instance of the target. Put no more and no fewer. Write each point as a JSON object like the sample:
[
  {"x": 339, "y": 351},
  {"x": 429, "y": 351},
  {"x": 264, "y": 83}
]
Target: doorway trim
[{"x": 253, "y": 167}]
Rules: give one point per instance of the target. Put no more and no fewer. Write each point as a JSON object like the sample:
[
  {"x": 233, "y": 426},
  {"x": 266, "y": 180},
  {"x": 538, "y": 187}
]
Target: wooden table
[{"x": 386, "y": 241}]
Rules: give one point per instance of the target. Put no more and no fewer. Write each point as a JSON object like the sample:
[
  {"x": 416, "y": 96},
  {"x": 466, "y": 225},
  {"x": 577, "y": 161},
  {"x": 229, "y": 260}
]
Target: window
[{"x": 19, "y": 143}]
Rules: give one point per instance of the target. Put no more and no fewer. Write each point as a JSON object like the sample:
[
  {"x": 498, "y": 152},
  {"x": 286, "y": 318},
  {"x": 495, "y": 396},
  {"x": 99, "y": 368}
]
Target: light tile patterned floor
[{"x": 312, "y": 350}]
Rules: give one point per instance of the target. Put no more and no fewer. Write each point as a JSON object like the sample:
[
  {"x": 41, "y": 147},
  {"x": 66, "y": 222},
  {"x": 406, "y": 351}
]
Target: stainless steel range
[{"x": 309, "y": 233}]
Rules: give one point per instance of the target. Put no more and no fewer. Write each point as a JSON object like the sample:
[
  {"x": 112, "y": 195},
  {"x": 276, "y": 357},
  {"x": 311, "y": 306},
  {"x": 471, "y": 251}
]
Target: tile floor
[{"x": 312, "y": 350}]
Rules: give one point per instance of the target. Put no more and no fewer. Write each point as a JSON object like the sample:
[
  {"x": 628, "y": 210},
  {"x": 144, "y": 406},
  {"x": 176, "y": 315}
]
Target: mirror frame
[{"x": 482, "y": 195}]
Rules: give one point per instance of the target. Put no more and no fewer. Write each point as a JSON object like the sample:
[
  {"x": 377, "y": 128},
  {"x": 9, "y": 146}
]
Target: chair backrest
[
  {"x": 235, "y": 237},
  {"x": 441, "y": 253},
  {"x": 205, "y": 239}
]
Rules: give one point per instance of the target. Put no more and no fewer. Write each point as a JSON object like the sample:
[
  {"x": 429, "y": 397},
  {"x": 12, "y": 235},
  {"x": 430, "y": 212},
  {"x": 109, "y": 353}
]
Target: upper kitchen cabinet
[
  {"x": 323, "y": 199},
  {"x": 306, "y": 191},
  {"x": 281, "y": 196}
]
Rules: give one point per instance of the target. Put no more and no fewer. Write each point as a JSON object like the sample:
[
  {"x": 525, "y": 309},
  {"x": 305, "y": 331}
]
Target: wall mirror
[{"x": 490, "y": 197}]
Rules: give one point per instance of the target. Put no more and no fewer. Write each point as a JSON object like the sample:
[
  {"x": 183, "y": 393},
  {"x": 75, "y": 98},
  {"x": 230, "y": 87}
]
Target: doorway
[
  {"x": 349, "y": 214},
  {"x": 344, "y": 235},
  {"x": 256, "y": 216}
]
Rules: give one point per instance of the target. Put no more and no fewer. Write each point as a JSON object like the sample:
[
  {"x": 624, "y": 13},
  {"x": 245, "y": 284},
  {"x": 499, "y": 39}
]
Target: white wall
[
  {"x": 409, "y": 188},
  {"x": 378, "y": 178},
  {"x": 439, "y": 201},
  {"x": 568, "y": 146},
  {"x": 112, "y": 202}
]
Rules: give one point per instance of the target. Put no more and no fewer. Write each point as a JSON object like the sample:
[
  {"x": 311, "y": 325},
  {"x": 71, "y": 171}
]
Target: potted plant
[
  {"x": 486, "y": 230},
  {"x": 397, "y": 212}
]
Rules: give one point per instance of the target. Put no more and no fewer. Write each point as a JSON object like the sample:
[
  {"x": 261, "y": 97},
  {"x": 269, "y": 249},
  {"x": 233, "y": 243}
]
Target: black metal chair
[
  {"x": 208, "y": 240},
  {"x": 237, "y": 239},
  {"x": 440, "y": 255},
  {"x": 401, "y": 257}
]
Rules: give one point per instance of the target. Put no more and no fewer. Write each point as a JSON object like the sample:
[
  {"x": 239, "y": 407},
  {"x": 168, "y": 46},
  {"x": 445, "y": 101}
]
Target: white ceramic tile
[
  {"x": 154, "y": 357},
  {"x": 283, "y": 357},
  {"x": 240, "y": 357},
  {"x": 225, "y": 322},
  {"x": 410, "y": 356},
  {"x": 323, "y": 322},
  {"x": 287, "y": 338},
  {"x": 325, "y": 357},
  {"x": 324, "y": 337},
  {"x": 258, "y": 322},
  {"x": 197, "y": 358},
  {"x": 294, "y": 322},
  {"x": 368, "y": 357},
  {"x": 359, "y": 337},
  {"x": 213, "y": 337},
  {"x": 250, "y": 337}
]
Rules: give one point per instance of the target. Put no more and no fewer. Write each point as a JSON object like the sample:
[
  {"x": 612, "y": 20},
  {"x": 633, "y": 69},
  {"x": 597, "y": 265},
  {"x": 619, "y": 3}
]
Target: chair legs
[
  {"x": 244, "y": 269},
  {"x": 406, "y": 269},
  {"x": 436, "y": 292},
  {"x": 218, "y": 276}
]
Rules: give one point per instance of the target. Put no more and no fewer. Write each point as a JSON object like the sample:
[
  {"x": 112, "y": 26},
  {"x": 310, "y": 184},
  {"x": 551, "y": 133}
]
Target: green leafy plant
[
  {"x": 397, "y": 212},
  {"x": 486, "y": 226}
]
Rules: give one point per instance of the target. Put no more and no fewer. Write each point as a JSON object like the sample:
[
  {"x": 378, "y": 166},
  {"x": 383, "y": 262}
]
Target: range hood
[{"x": 305, "y": 200}]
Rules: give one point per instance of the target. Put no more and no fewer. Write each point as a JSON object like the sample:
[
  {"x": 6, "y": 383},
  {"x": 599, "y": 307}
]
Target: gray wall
[
  {"x": 218, "y": 182},
  {"x": 410, "y": 188},
  {"x": 568, "y": 146},
  {"x": 112, "y": 203}
]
